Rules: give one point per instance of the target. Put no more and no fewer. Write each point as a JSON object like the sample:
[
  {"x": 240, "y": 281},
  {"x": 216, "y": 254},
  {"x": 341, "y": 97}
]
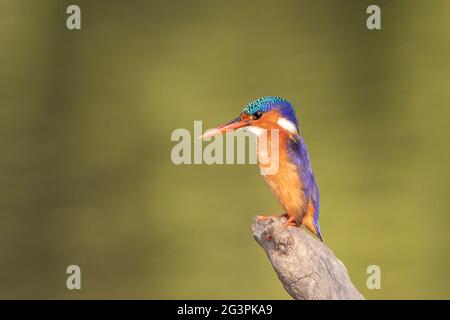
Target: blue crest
[{"x": 269, "y": 103}]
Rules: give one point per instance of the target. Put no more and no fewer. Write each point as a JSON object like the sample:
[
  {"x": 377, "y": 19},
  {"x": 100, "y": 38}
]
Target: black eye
[{"x": 257, "y": 115}]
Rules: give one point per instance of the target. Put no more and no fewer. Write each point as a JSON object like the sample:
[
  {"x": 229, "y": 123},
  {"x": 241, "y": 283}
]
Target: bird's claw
[{"x": 290, "y": 223}]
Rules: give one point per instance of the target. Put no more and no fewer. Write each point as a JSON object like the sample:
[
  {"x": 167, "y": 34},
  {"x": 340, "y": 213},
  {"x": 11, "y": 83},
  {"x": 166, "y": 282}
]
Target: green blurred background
[{"x": 85, "y": 124}]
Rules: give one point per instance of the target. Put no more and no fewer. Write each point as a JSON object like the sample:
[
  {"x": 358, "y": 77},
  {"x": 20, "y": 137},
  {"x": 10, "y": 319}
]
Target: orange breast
[{"x": 285, "y": 183}]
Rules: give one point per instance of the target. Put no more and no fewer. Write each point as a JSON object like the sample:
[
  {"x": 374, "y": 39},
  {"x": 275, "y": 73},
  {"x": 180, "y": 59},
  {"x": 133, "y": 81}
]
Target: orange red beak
[{"x": 232, "y": 125}]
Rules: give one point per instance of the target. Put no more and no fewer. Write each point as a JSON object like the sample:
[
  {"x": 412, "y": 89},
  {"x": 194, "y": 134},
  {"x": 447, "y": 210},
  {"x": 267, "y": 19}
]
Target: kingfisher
[{"x": 293, "y": 183}]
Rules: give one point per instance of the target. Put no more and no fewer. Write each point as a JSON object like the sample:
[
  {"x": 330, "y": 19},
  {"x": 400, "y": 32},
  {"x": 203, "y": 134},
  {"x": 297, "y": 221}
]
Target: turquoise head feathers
[{"x": 265, "y": 104}]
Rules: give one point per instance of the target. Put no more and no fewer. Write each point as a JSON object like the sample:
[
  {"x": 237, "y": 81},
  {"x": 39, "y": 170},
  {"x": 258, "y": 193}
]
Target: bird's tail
[
  {"x": 312, "y": 225},
  {"x": 319, "y": 234}
]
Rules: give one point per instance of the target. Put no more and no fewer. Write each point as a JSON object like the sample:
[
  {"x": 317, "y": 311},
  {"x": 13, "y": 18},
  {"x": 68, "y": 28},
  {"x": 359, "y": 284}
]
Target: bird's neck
[{"x": 272, "y": 149}]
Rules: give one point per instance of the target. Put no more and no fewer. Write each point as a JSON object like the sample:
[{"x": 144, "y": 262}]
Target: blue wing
[{"x": 299, "y": 155}]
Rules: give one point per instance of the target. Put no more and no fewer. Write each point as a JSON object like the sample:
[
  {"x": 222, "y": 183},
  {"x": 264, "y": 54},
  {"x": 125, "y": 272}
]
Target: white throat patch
[{"x": 286, "y": 124}]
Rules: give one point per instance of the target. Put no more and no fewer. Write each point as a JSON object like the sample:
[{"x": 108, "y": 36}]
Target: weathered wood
[{"x": 307, "y": 268}]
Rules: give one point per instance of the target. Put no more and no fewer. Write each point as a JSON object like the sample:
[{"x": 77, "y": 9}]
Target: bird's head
[{"x": 259, "y": 115}]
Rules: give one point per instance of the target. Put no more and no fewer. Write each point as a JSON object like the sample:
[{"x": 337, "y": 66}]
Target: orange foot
[
  {"x": 260, "y": 218},
  {"x": 290, "y": 222}
]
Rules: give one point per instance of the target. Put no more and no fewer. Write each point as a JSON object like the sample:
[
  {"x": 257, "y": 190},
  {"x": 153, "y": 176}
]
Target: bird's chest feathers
[{"x": 285, "y": 183}]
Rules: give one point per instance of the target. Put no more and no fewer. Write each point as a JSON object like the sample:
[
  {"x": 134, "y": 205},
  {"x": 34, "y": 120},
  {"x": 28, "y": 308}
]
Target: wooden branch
[{"x": 307, "y": 268}]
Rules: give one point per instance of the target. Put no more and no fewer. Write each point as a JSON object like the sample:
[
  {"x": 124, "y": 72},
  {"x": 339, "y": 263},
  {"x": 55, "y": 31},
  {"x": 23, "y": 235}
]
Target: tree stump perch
[{"x": 307, "y": 268}]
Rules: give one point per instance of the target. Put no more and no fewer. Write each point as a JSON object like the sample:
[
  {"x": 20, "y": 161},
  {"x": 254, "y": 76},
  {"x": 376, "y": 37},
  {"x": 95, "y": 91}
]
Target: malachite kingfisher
[{"x": 293, "y": 184}]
